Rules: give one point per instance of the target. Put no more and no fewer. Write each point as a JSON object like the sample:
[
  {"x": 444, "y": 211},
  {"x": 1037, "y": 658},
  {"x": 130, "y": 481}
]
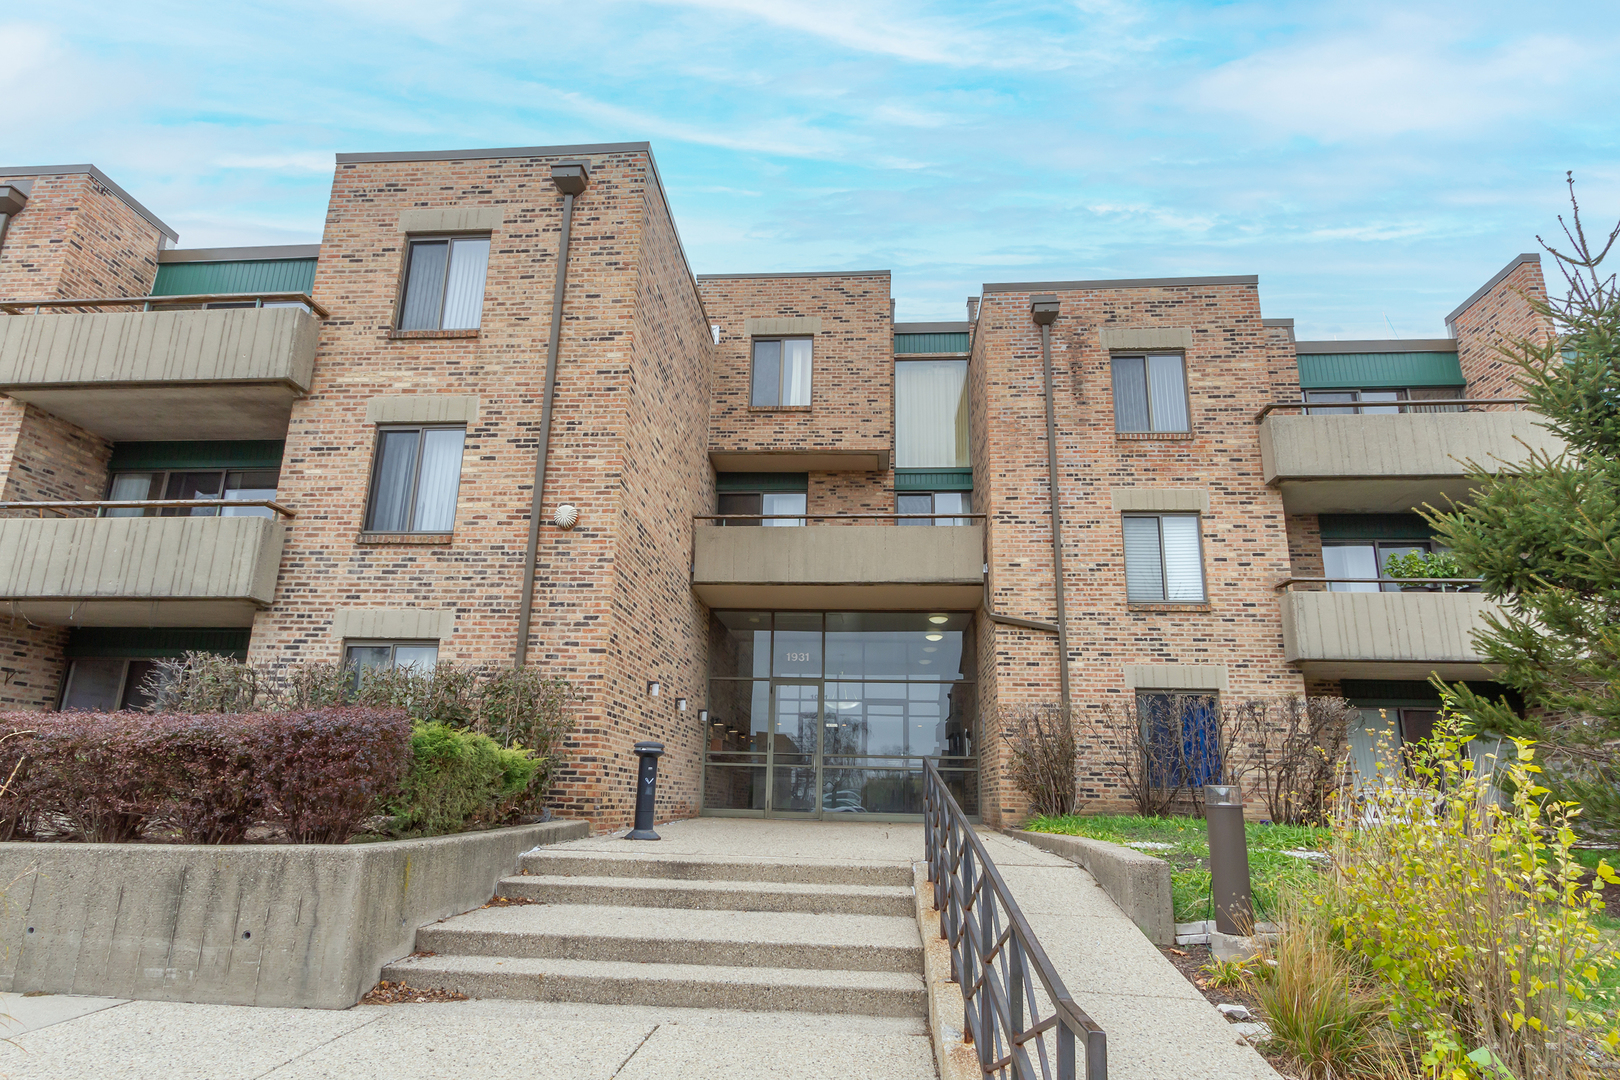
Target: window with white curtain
[
  {"x": 930, "y": 414},
  {"x": 1164, "y": 563},
  {"x": 1150, "y": 393},
  {"x": 444, "y": 283},
  {"x": 415, "y": 479},
  {"x": 781, "y": 372}
]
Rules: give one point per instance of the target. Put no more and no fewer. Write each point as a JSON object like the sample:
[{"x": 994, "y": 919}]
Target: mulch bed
[
  {"x": 1190, "y": 961},
  {"x": 397, "y": 993}
]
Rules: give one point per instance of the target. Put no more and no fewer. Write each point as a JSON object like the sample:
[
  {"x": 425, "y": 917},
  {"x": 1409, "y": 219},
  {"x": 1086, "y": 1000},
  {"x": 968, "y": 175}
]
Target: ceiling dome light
[
  {"x": 934, "y": 637},
  {"x": 939, "y": 620}
]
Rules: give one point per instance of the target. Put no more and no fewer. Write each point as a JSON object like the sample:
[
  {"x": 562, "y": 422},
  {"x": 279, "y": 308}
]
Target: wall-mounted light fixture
[
  {"x": 680, "y": 704},
  {"x": 703, "y": 717},
  {"x": 653, "y": 688}
]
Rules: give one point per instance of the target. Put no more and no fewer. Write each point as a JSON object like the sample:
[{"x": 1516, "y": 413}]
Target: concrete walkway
[{"x": 1158, "y": 1026}]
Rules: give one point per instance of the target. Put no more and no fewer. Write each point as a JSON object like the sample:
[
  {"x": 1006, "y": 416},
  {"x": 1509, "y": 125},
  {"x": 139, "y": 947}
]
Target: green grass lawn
[{"x": 1270, "y": 869}]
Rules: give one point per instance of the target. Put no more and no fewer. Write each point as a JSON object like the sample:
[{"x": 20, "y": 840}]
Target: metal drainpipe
[
  {"x": 570, "y": 180},
  {"x": 1044, "y": 309}
]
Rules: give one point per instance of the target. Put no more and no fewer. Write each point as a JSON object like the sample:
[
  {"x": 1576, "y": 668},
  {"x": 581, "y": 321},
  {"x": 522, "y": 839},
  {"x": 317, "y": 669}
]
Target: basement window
[{"x": 444, "y": 283}]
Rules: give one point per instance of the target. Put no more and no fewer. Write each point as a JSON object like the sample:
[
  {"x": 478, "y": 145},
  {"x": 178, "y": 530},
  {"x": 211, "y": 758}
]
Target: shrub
[
  {"x": 209, "y": 763},
  {"x": 455, "y": 777},
  {"x": 201, "y": 682},
  {"x": 1298, "y": 749},
  {"x": 1469, "y": 906},
  {"x": 1042, "y": 741},
  {"x": 93, "y": 772},
  {"x": 325, "y": 771}
]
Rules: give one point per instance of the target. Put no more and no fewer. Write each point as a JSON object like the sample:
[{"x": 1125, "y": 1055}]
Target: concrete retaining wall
[
  {"x": 299, "y": 925},
  {"x": 1138, "y": 883}
]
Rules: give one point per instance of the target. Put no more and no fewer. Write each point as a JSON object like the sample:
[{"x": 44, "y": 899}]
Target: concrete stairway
[{"x": 634, "y": 928}]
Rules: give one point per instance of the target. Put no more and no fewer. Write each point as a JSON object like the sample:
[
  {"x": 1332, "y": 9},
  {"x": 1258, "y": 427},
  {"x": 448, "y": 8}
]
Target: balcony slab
[{"x": 1384, "y": 635}]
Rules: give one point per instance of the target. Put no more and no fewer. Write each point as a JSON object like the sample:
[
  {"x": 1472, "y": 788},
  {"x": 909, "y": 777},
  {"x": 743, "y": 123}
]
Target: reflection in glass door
[{"x": 795, "y": 747}]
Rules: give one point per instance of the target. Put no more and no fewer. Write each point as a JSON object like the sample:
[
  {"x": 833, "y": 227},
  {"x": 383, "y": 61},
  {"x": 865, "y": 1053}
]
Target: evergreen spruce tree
[{"x": 1545, "y": 538}]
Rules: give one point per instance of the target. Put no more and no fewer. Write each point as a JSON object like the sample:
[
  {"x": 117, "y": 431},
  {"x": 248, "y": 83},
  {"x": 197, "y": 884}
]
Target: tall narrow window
[
  {"x": 781, "y": 373},
  {"x": 930, "y": 414},
  {"x": 1150, "y": 393},
  {"x": 1164, "y": 563},
  {"x": 444, "y": 284},
  {"x": 415, "y": 480}
]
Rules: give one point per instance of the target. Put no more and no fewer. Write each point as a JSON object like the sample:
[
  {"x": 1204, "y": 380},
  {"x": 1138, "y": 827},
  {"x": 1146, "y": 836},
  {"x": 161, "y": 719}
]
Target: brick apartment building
[{"x": 370, "y": 413}]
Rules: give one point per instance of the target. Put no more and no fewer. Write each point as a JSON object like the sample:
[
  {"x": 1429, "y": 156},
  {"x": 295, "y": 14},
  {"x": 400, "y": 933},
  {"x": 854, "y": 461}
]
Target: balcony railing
[
  {"x": 160, "y": 303},
  {"x": 1428, "y": 626},
  {"x": 95, "y": 508}
]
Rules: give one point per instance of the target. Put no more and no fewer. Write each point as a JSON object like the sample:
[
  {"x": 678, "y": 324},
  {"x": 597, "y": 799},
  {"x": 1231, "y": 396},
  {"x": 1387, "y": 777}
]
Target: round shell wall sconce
[{"x": 566, "y": 517}]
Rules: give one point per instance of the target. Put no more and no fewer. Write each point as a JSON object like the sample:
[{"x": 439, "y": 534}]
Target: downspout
[
  {"x": 570, "y": 180},
  {"x": 1044, "y": 309},
  {"x": 12, "y": 200}
]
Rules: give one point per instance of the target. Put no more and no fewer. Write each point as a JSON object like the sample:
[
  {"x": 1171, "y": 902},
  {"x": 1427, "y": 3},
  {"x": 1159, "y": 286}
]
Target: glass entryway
[{"x": 831, "y": 714}]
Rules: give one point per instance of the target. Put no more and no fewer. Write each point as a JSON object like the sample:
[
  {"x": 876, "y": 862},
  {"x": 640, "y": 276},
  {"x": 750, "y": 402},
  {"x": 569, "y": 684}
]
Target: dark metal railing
[
  {"x": 1372, "y": 408},
  {"x": 994, "y": 953},
  {"x": 155, "y": 303},
  {"x": 1432, "y": 584},
  {"x": 839, "y": 518},
  {"x": 148, "y": 504}
]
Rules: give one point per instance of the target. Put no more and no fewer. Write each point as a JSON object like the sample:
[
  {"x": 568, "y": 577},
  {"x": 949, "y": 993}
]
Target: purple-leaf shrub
[{"x": 326, "y": 770}]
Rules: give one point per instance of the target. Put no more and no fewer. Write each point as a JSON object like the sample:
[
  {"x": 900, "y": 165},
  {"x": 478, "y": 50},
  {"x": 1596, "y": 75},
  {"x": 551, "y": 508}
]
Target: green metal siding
[
  {"x": 148, "y": 641},
  {"x": 240, "y": 454},
  {"x": 251, "y": 276},
  {"x": 762, "y": 481},
  {"x": 905, "y": 344},
  {"x": 1411, "y": 694},
  {"x": 1373, "y": 527},
  {"x": 933, "y": 479},
  {"x": 1370, "y": 371}
]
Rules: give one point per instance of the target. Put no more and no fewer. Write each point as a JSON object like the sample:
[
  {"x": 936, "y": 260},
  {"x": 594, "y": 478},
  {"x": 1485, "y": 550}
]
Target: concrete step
[
  {"x": 555, "y": 862},
  {"x": 711, "y": 895},
  {"x": 865, "y": 993},
  {"x": 647, "y": 935}
]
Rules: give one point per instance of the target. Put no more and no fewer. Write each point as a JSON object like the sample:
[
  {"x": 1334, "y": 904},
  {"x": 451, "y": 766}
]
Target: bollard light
[
  {"x": 646, "y": 788},
  {"x": 1228, "y": 860}
]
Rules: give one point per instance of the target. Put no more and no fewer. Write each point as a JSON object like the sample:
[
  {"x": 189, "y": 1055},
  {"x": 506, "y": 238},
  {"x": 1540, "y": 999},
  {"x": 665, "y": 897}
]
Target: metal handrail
[
  {"x": 993, "y": 951},
  {"x": 830, "y": 517},
  {"x": 1285, "y": 582},
  {"x": 145, "y": 504},
  {"x": 1430, "y": 404},
  {"x": 25, "y": 307}
]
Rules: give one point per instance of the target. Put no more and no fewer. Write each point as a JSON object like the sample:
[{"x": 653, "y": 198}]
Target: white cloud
[{"x": 318, "y": 161}]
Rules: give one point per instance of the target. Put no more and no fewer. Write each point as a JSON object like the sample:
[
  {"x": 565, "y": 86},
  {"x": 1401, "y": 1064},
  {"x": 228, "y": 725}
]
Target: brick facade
[
  {"x": 76, "y": 237},
  {"x": 1500, "y": 317}
]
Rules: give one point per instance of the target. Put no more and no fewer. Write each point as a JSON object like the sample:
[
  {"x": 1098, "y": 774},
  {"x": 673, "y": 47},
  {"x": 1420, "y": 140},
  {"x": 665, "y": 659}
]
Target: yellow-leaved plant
[{"x": 1459, "y": 887}]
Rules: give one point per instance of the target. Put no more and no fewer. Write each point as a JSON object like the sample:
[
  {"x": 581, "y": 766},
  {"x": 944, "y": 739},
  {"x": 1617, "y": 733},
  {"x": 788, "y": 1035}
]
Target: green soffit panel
[
  {"x": 1374, "y": 527},
  {"x": 1367, "y": 371},
  {"x": 761, "y": 481},
  {"x": 930, "y": 343},
  {"x": 933, "y": 479},
  {"x": 1410, "y": 694},
  {"x": 154, "y": 641},
  {"x": 238, "y": 454},
  {"x": 251, "y": 276}
]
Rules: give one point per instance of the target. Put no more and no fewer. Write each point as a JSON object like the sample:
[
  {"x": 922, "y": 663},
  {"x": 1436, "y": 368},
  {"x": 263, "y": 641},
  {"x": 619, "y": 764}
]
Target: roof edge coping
[
  {"x": 240, "y": 254},
  {"x": 1118, "y": 283},
  {"x": 101, "y": 178}
]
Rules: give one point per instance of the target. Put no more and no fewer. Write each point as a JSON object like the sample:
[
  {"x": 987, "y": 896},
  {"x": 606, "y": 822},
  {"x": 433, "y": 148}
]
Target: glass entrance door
[{"x": 795, "y": 748}]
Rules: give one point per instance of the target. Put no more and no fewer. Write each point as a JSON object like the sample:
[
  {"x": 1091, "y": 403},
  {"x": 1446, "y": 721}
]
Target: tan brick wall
[
  {"x": 602, "y": 458},
  {"x": 1501, "y": 317},
  {"x": 1305, "y": 546},
  {"x": 31, "y": 665},
  {"x": 1233, "y": 368},
  {"x": 76, "y": 238}
]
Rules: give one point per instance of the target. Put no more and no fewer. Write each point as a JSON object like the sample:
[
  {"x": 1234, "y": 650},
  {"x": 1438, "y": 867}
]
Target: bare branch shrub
[
  {"x": 201, "y": 682},
  {"x": 1043, "y": 745},
  {"x": 1297, "y": 749},
  {"x": 1161, "y": 752}
]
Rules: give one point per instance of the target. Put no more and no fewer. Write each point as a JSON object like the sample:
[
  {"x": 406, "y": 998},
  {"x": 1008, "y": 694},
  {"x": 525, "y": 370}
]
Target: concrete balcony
[
  {"x": 139, "y": 571},
  {"x": 230, "y": 373},
  {"x": 850, "y": 567},
  {"x": 1384, "y": 635},
  {"x": 1390, "y": 463}
]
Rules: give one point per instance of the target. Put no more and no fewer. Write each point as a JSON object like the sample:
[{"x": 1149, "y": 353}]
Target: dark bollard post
[
  {"x": 1228, "y": 860},
  {"x": 646, "y": 788}
]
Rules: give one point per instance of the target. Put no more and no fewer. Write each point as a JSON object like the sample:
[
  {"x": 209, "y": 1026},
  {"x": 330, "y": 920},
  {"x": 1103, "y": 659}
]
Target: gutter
[
  {"x": 570, "y": 180},
  {"x": 1044, "y": 309}
]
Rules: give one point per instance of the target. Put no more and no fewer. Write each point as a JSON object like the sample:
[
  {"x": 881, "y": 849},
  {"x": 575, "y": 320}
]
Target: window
[
  {"x": 418, "y": 656},
  {"x": 106, "y": 683},
  {"x": 1370, "y": 402},
  {"x": 414, "y": 483},
  {"x": 1181, "y": 736},
  {"x": 1164, "y": 563},
  {"x": 781, "y": 372},
  {"x": 444, "y": 283},
  {"x": 1364, "y": 561},
  {"x": 767, "y": 502},
  {"x": 930, "y": 414},
  {"x": 194, "y": 484},
  {"x": 934, "y": 502},
  {"x": 1150, "y": 393}
]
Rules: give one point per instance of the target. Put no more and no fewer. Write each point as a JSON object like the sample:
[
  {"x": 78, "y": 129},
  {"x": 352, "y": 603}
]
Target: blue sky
[{"x": 1372, "y": 162}]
